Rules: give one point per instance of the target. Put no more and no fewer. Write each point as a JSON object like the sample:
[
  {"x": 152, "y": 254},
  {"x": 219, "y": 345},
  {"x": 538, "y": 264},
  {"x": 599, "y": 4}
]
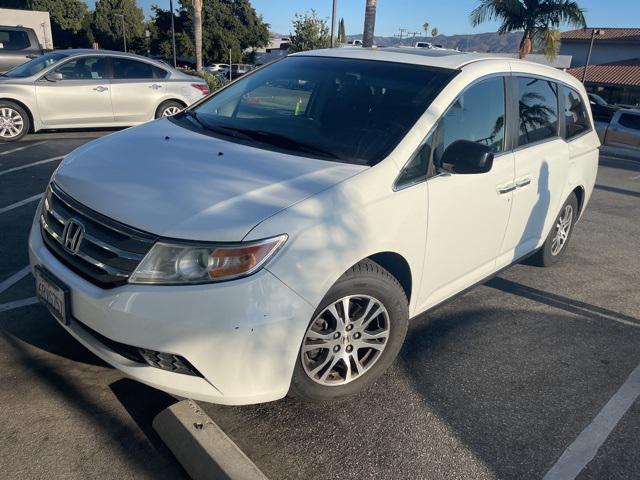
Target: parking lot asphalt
[{"x": 496, "y": 384}]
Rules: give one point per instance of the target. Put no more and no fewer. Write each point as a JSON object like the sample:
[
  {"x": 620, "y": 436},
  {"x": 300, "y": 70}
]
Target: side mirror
[
  {"x": 53, "y": 77},
  {"x": 467, "y": 157}
]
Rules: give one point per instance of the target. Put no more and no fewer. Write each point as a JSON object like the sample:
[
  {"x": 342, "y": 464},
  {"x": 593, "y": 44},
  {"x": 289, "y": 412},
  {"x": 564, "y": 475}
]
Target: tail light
[{"x": 203, "y": 87}]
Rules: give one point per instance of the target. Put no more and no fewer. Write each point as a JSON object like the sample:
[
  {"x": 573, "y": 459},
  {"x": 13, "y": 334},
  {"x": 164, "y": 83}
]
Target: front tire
[
  {"x": 14, "y": 121},
  {"x": 354, "y": 335},
  {"x": 559, "y": 236}
]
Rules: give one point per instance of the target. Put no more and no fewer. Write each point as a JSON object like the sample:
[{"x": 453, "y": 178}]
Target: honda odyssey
[{"x": 276, "y": 237}]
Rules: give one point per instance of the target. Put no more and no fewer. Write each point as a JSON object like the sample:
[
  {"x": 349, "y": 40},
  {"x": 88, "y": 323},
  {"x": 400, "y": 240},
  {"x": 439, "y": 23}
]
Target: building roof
[
  {"x": 614, "y": 35},
  {"x": 623, "y": 73}
]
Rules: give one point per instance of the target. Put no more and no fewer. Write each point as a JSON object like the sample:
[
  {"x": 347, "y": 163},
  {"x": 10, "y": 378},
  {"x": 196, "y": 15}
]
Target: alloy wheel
[
  {"x": 11, "y": 123},
  {"x": 562, "y": 229},
  {"x": 170, "y": 110},
  {"x": 345, "y": 340}
]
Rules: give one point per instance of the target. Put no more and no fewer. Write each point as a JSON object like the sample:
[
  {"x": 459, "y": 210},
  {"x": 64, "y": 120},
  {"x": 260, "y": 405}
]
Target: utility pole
[
  {"x": 413, "y": 38},
  {"x": 124, "y": 33},
  {"x": 594, "y": 32},
  {"x": 173, "y": 34},
  {"x": 230, "y": 64},
  {"x": 402, "y": 32},
  {"x": 333, "y": 23}
]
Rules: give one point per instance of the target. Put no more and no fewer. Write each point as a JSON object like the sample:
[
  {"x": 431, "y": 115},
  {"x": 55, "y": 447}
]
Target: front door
[
  {"x": 468, "y": 213},
  {"x": 137, "y": 90},
  {"x": 81, "y": 99}
]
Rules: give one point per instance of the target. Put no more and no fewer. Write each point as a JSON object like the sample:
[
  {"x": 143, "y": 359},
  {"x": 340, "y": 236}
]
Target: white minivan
[{"x": 277, "y": 237}]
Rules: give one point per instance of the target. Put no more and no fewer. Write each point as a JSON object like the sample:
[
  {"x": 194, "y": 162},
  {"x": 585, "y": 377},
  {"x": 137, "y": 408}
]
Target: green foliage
[
  {"x": 107, "y": 27},
  {"x": 342, "y": 33},
  {"x": 310, "y": 32},
  {"x": 538, "y": 19},
  {"x": 213, "y": 81}
]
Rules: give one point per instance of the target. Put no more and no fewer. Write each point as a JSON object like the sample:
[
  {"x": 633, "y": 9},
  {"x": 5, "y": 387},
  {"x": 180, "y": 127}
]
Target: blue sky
[{"x": 450, "y": 16}]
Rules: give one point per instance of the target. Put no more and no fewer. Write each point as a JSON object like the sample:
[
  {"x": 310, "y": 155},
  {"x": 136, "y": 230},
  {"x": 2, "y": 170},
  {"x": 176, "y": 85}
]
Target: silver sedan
[{"x": 91, "y": 88}]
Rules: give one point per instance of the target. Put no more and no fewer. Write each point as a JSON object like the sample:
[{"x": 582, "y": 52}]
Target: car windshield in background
[
  {"x": 347, "y": 110},
  {"x": 34, "y": 66}
]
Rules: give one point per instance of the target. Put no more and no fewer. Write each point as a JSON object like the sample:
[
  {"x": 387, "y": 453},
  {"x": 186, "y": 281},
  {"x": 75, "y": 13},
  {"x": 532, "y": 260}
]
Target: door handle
[
  {"x": 155, "y": 86},
  {"x": 523, "y": 182},
  {"x": 101, "y": 89},
  {"x": 506, "y": 189}
]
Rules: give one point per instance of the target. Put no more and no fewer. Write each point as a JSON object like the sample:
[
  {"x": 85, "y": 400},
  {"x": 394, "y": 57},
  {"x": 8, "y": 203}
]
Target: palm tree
[
  {"x": 539, "y": 19},
  {"x": 425, "y": 27},
  {"x": 434, "y": 32},
  {"x": 369, "y": 23},
  {"x": 197, "y": 32}
]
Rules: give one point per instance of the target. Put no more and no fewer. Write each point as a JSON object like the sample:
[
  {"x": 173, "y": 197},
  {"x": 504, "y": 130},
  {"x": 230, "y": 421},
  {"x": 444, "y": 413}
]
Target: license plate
[{"x": 53, "y": 294}]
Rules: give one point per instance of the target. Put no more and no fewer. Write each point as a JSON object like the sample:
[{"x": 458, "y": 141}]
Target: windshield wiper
[{"x": 282, "y": 141}]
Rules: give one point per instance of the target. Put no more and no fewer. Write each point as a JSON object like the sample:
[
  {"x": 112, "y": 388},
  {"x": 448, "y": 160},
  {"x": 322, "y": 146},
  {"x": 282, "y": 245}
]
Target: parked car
[
  {"x": 622, "y": 132},
  {"x": 91, "y": 88},
  {"x": 17, "y": 46},
  {"x": 278, "y": 236},
  {"x": 424, "y": 45},
  {"x": 217, "y": 67},
  {"x": 602, "y": 111}
]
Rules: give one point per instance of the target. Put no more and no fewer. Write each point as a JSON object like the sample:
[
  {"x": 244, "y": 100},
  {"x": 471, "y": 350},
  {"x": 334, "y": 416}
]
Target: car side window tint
[
  {"x": 538, "y": 106},
  {"x": 478, "y": 115},
  {"x": 159, "y": 72},
  {"x": 126, "y": 68},
  {"x": 13, "y": 40},
  {"x": 418, "y": 168},
  {"x": 575, "y": 114},
  {"x": 84, "y": 68},
  {"x": 630, "y": 121}
]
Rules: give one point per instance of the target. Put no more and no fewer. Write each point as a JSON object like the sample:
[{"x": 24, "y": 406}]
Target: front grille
[{"x": 108, "y": 252}]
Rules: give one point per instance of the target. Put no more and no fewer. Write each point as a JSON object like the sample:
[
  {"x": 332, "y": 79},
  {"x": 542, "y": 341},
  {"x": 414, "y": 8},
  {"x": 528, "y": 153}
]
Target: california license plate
[{"x": 53, "y": 294}]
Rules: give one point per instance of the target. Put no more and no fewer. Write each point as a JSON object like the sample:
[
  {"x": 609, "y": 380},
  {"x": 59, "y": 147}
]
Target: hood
[{"x": 172, "y": 182}]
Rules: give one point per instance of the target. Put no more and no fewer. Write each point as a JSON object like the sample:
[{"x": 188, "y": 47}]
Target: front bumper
[{"x": 243, "y": 336}]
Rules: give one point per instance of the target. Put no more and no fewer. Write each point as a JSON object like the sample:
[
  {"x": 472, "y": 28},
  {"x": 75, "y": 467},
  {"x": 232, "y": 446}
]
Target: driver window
[
  {"x": 478, "y": 115},
  {"x": 84, "y": 68}
]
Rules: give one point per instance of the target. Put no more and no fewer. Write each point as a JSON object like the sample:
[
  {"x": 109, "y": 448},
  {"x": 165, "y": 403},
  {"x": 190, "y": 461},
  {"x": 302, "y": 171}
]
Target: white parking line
[
  {"x": 21, "y": 203},
  {"x": 15, "y": 278},
  {"x": 18, "y": 303},
  {"x": 585, "y": 447},
  {"x": 635, "y": 178},
  {"x": 21, "y": 167},
  {"x": 22, "y": 148}
]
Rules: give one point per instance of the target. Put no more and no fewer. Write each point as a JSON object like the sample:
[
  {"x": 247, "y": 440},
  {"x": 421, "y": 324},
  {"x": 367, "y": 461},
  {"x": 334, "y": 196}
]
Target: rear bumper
[{"x": 243, "y": 336}]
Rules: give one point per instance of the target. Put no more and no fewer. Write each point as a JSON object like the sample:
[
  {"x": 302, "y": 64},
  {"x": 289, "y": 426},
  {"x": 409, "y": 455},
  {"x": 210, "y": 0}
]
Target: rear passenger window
[
  {"x": 477, "y": 115},
  {"x": 538, "y": 105},
  {"x": 575, "y": 114},
  {"x": 125, "y": 68},
  {"x": 630, "y": 121}
]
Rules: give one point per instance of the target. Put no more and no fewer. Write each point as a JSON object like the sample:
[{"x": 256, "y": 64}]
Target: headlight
[{"x": 176, "y": 263}]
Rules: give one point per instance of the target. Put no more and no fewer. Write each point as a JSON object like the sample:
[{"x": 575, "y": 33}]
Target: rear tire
[
  {"x": 168, "y": 108},
  {"x": 338, "y": 357},
  {"x": 14, "y": 121},
  {"x": 559, "y": 236}
]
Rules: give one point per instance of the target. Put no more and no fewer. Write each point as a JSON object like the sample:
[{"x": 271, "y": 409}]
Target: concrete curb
[{"x": 201, "y": 447}]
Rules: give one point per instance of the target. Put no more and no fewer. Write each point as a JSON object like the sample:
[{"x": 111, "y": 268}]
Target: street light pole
[
  {"x": 333, "y": 23},
  {"x": 594, "y": 32},
  {"x": 124, "y": 33},
  {"x": 173, "y": 34}
]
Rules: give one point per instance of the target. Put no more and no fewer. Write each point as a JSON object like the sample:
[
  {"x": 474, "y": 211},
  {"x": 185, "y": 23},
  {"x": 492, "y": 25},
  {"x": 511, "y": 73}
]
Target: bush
[{"x": 213, "y": 81}]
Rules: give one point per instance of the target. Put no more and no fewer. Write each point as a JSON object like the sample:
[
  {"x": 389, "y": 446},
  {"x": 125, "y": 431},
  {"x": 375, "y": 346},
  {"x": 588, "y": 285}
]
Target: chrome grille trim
[{"x": 109, "y": 251}]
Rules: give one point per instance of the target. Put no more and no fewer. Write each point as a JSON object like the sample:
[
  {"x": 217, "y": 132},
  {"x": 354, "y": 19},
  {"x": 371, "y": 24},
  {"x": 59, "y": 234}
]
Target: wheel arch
[
  {"x": 579, "y": 192},
  {"x": 23, "y": 106},
  {"x": 397, "y": 266}
]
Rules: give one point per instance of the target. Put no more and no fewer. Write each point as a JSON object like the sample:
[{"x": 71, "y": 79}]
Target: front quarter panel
[
  {"x": 24, "y": 93},
  {"x": 332, "y": 231}
]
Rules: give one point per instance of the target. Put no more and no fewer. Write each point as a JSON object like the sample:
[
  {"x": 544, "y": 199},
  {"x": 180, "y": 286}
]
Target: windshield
[
  {"x": 34, "y": 66},
  {"x": 347, "y": 110}
]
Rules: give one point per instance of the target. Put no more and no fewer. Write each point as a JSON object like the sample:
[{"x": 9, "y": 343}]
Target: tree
[
  {"x": 434, "y": 32},
  {"x": 197, "y": 32},
  {"x": 425, "y": 27},
  {"x": 538, "y": 19},
  {"x": 369, "y": 23},
  {"x": 107, "y": 24},
  {"x": 342, "y": 33},
  {"x": 310, "y": 33}
]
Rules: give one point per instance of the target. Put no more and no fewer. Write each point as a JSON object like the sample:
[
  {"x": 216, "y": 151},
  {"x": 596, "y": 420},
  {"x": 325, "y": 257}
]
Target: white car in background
[
  {"x": 278, "y": 236},
  {"x": 217, "y": 67},
  {"x": 91, "y": 88}
]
